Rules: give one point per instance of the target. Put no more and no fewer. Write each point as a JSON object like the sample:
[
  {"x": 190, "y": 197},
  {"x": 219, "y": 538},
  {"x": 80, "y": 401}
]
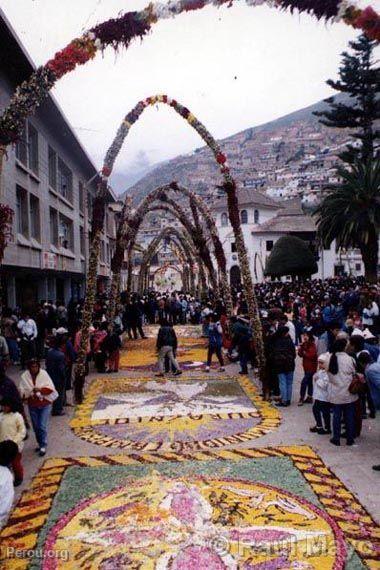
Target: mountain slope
[{"x": 254, "y": 154}]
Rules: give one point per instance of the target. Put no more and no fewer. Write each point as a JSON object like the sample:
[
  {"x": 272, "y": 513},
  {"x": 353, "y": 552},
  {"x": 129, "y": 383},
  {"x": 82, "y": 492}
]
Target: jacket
[
  {"x": 12, "y": 427},
  {"x": 308, "y": 353},
  {"x": 166, "y": 337},
  {"x": 284, "y": 355},
  {"x": 340, "y": 382},
  {"x": 44, "y": 385},
  {"x": 321, "y": 386},
  {"x": 56, "y": 366},
  {"x": 372, "y": 374}
]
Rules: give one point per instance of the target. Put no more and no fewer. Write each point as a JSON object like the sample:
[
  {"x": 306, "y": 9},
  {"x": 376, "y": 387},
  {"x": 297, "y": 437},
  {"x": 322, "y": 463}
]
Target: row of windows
[
  {"x": 243, "y": 217},
  {"x": 61, "y": 228},
  {"x": 28, "y": 220},
  {"x": 60, "y": 175},
  {"x": 268, "y": 246}
]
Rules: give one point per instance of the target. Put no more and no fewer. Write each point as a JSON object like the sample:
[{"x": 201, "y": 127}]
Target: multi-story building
[{"x": 49, "y": 181}]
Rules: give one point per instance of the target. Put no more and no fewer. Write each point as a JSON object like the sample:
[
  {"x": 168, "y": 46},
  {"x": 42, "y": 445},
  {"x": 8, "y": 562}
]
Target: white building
[{"x": 264, "y": 221}]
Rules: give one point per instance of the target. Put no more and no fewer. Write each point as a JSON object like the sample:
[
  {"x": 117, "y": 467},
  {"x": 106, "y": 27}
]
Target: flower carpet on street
[
  {"x": 268, "y": 508},
  {"x": 142, "y": 355},
  {"x": 186, "y": 414}
]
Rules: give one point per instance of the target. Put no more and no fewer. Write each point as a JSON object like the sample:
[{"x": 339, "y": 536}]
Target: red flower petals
[{"x": 369, "y": 22}]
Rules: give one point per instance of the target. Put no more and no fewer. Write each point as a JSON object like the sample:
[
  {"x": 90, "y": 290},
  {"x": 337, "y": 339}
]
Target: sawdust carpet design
[
  {"x": 269, "y": 508},
  {"x": 141, "y": 354},
  {"x": 178, "y": 414}
]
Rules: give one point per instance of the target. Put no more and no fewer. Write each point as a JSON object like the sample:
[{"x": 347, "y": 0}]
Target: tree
[
  {"x": 359, "y": 110},
  {"x": 291, "y": 256},
  {"x": 350, "y": 213}
]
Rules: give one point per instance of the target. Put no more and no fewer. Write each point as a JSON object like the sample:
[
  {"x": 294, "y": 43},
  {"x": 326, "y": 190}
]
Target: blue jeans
[
  {"x": 306, "y": 384},
  {"x": 14, "y": 351},
  {"x": 348, "y": 412},
  {"x": 40, "y": 419},
  {"x": 285, "y": 380}
]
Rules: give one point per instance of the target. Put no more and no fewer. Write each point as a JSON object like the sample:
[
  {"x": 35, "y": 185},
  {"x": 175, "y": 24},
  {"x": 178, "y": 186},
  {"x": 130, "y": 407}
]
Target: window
[
  {"x": 224, "y": 219},
  {"x": 256, "y": 216},
  {"x": 82, "y": 240},
  {"x": 52, "y": 168},
  {"x": 233, "y": 247},
  {"x": 102, "y": 252},
  {"x": 33, "y": 148},
  {"x": 269, "y": 245},
  {"x": 65, "y": 232},
  {"x": 244, "y": 217},
  {"x": 90, "y": 203},
  {"x": 27, "y": 148},
  {"x": 53, "y": 218},
  {"x": 358, "y": 266},
  {"x": 65, "y": 181},
  {"x": 108, "y": 253},
  {"x": 22, "y": 211},
  {"x": 35, "y": 228},
  {"x": 22, "y": 148},
  {"x": 81, "y": 196}
]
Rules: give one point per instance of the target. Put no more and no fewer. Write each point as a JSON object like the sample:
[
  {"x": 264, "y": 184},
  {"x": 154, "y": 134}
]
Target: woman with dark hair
[
  {"x": 284, "y": 356},
  {"x": 308, "y": 352},
  {"x": 341, "y": 370},
  {"x": 37, "y": 388}
]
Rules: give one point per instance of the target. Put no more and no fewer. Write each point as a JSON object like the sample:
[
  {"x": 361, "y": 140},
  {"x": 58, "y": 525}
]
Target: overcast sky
[{"x": 233, "y": 67}]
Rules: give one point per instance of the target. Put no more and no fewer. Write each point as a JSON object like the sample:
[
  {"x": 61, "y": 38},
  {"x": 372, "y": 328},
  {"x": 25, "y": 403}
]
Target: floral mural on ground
[
  {"x": 268, "y": 508},
  {"x": 196, "y": 412},
  {"x": 142, "y": 355}
]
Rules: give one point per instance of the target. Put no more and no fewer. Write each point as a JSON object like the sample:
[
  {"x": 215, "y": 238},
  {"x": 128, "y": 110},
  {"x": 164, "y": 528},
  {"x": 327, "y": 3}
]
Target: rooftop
[
  {"x": 291, "y": 219},
  {"x": 248, "y": 197}
]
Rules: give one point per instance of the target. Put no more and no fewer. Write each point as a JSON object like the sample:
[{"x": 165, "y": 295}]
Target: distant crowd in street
[{"x": 333, "y": 326}]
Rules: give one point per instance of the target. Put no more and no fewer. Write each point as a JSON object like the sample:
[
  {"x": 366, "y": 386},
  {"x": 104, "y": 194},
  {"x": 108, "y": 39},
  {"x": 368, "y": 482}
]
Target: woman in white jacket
[
  {"x": 341, "y": 370},
  {"x": 37, "y": 388}
]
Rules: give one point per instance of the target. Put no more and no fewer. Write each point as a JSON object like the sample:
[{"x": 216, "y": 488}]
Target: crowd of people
[{"x": 333, "y": 326}]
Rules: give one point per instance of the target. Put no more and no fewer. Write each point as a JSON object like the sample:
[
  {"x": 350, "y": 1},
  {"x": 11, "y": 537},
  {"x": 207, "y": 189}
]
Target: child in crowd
[
  {"x": 8, "y": 452},
  {"x": 12, "y": 428},
  {"x": 321, "y": 406},
  {"x": 112, "y": 345}
]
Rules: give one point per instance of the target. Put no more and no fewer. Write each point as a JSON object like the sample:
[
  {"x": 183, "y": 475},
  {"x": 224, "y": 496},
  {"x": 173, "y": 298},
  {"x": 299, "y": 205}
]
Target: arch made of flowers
[
  {"x": 121, "y": 31},
  {"x": 198, "y": 207},
  {"x": 228, "y": 185},
  {"x": 183, "y": 241},
  {"x": 196, "y": 233}
]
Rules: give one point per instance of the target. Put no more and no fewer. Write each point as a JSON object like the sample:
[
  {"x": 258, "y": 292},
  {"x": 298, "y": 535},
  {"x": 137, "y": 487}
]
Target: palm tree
[{"x": 350, "y": 213}]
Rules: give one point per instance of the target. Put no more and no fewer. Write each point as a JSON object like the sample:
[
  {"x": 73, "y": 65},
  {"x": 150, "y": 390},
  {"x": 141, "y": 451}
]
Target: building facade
[
  {"x": 263, "y": 222},
  {"x": 49, "y": 182}
]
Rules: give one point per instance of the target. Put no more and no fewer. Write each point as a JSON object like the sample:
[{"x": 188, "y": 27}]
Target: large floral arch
[{"x": 119, "y": 32}]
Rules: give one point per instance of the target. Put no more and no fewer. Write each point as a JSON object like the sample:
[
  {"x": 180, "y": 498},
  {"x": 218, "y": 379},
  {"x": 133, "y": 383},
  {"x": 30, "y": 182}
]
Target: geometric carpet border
[
  {"x": 32, "y": 510},
  {"x": 82, "y": 424}
]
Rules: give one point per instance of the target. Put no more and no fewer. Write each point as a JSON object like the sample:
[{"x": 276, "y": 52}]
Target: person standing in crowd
[
  {"x": 10, "y": 335},
  {"x": 56, "y": 369},
  {"x": 215, "y": 342},
  {"x": 8, "y": 453},
  {"x": 284, "y": 356},
  {"x": 9, "y": 391},
  {"x": 99, "y": 353},
  {"x": 37, "y": 388},
  {"x": 242, "y": 340},
  {"x": 321, "y": 406},
  {"x": 28, "y": 334},
  {"x": 166, "y": 347},
  {"x": 308, "y": 352},
  {"x": 341, "y": 371},
  {"x": 4, "y": 350},
  {"x": 112, "y": 345},
  {"x": 12, "y": 428},
  {"x": 371, "y": 372}
]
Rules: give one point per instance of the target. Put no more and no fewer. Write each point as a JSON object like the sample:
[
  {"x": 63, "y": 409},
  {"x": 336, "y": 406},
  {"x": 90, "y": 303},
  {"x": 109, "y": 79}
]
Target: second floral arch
[{"x": 131, "y": 221}]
